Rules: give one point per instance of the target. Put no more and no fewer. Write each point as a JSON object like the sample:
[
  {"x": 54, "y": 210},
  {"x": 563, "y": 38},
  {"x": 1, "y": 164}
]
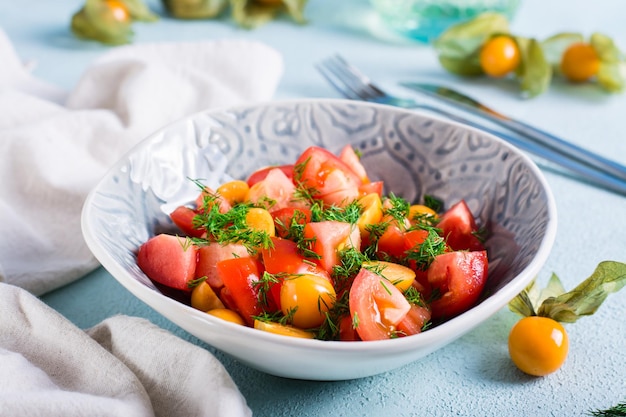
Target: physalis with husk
[
  {"x": 581, "y": 60},
  {"x": 195, "y": 9},
  {"x": 110, "y": 21},
  {"x": 485, "y": 46},
  {"x": 246, "y": 13},
  {"x": 538, "y": 343},
  {"x": 253, "y": 13}
]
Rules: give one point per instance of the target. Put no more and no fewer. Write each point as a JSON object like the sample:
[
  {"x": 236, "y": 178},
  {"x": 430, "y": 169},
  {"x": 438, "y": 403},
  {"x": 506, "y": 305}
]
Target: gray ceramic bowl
[{"x": 413, "y": 153}]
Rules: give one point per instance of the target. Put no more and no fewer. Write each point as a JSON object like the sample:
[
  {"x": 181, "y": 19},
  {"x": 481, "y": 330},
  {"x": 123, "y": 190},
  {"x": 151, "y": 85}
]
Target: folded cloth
[
  {"x": 124, "y": 366},
  {"x": 54, "y": 147}
]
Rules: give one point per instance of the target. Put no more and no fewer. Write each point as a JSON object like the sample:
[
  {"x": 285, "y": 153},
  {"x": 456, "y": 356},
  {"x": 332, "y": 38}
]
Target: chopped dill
[
  {"x": 231, "y": 227},
  {"x": 423, "y": 254},
  {"x": 399, "y": 209},
  {"x": 413, "y": 296},
  {"x": 263, "y": 286},
  {"x": 195, "y": 282},
  {"x": 348, "y": 214},
  {"x": 433, "y": 203}
]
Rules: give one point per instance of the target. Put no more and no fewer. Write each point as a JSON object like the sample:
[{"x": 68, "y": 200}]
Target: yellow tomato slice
[{"x": 282, "y": 329}]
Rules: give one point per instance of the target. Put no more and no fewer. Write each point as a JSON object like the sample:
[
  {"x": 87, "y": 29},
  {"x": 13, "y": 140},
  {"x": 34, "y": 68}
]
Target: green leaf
[
  {"x": 534, "y": 71},
  {"x": 612, "y": 72},
  {"x": 522, "y": 304},
  {"x": 555, "y": 46},
  {"x": 459, "y": 46},
  {"x": 527, "y": 302},
  {"x": 586, "y": 298}
]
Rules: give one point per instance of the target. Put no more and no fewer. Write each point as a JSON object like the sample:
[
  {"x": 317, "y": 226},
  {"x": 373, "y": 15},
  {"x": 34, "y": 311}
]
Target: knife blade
[{"x": 464, "y": 102}]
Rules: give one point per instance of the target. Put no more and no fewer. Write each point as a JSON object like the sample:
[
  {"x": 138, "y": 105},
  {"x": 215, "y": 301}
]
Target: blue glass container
[{"x": 425, "y": 20}]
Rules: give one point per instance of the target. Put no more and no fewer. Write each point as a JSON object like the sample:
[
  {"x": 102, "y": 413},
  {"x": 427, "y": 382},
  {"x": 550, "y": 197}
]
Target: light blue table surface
[{"x": 472, "y": 376}]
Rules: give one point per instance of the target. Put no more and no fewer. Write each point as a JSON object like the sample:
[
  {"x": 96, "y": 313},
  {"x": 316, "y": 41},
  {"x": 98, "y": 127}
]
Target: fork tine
[
  {"x": 365, "y": 82},
  {"x": 329, "y": 75},
  {"x": 348, "y": 80},
  {"x": 343, "y": 81}
]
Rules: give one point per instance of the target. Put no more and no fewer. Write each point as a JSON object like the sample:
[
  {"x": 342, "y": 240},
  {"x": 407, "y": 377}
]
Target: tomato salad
[{"x": 316, "y": 250}]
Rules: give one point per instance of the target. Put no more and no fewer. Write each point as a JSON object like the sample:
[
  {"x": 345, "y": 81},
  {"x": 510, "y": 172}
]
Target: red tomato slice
[
  {"x": 262, "y": 173},
  {"x": 459, "y": 228},
  {"x": 412, "y": 241},
  {"x": 208, "y": 198},
  {"x": 352, "y": 160},
  {"x": 338, "y": 190},
  {"x": 183, "y": 218},
  {"x": 347, "y": 332},
  {"x": 414, "y": 237},
  {"x": 284, "y": 217},
  {"x": 276, "y": 188},
  {"x": 377, "y": 304},
  {"x": 460, "y": 278},
  {"x": 392, "y": 241},
  {"x": 212, "y": 253},
  {"x": 414, "y": 321},
  {"x": 284, "y": 257},
  {"x": 372, "y": 187},
  {"x": 334, "y": 181},
  {"x": 328, "y": 238},
  {"x": 239, "y": 276},
  {"x": 168, "y": 260}
]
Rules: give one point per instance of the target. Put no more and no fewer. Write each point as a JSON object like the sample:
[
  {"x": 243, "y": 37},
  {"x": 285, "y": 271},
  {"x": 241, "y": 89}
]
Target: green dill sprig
[
  {"x": 481, "y": 234},
  {"x": 295, "y": 229},
  {"x": 433, "y": 203},
  {"x": 618, "y": 410},
  {"x": 317, "y": 211},
  {"x": 351, "y": 261},
  {"x": 329, "y": 330},
  {"x": 271, "y": 317},
  {"x": 347, "y": 214},
  {"x": 423, "y": 254},
  {"x": 264, "y": 285},
  {"x": 231, "y": 227},
  {"x": 195, "y": 282},
  {"x": 305, "y": 247},
  {"x": 399, "y": 209},
  {"x": 413, "y": 296},
  {"x": 374, "y": 232},
  {"x": 305, "y": 194}
]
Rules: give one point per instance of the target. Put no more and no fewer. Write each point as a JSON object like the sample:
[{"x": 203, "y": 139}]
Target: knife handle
[
  {"x": 587, "y": 173},
  {"x": 585, "y": 156}
]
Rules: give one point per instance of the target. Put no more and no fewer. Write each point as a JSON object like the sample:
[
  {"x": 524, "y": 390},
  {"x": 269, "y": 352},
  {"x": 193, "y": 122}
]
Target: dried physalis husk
[
  {"x": 195, "y": 9},
  {"x": 109, "y": 21},
  {"x": 252, "y": 13},
  {"x": 568, "y": 306}
]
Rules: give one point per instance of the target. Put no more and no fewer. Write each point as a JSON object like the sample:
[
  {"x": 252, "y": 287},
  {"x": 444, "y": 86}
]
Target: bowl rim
[{"x": 460, "y": 324}]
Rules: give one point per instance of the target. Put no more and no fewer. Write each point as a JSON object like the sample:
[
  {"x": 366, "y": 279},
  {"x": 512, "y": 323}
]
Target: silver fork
[{"x": 355, "y": 85}]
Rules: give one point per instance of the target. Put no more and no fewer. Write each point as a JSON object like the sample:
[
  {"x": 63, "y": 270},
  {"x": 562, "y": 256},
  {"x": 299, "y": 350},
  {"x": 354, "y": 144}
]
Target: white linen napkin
[
  {"x": 54, "y": 148},
  {"x": 124, "y": 366}
]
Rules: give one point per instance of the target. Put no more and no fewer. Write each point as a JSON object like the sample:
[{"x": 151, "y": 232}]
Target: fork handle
[{"x": 588, "y": 173}]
